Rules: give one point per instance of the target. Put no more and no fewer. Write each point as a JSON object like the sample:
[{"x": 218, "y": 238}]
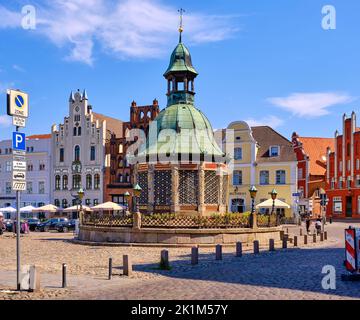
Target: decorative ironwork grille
[
  {"x": 225, "y": 189},
  {"x": 143, "y": 182},
  {"x": 211, "y": 187},
  {"x": 107, "y": 220},
  {"x": 188, "y": 187},
  {"x": 163, "y": 187},
  {"x": 194, "y": 222}
]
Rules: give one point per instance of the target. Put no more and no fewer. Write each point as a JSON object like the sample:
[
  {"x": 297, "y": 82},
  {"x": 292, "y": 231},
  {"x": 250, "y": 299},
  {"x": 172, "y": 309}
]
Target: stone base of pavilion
[{"x": 177, "y": 237}]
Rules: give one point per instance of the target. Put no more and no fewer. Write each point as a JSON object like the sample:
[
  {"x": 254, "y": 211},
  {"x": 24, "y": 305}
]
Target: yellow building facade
[{"x": 263, "y": 158}]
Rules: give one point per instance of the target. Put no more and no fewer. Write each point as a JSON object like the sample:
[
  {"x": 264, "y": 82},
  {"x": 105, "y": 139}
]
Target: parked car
[
  {"x": 33, "y": 223},
  {"x": 49, "y": 224},
  {"x": 66, "y": 226}
]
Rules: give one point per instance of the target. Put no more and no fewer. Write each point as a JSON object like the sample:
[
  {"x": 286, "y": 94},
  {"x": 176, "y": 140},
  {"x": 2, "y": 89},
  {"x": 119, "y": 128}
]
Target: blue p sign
[{"x": 19, "y": 141}]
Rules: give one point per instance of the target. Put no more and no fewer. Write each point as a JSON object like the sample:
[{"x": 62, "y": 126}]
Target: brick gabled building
[
  {"x": 311, "y": 154},
  {"x": 118, "y": 176},
  {"x": 343, "y": 172}
]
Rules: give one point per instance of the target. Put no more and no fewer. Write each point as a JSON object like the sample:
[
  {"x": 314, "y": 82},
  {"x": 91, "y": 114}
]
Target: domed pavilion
[{"x": 181, "y": 169}]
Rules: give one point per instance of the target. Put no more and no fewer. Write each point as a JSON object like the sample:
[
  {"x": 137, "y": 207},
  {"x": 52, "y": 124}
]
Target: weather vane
[{"x": 181, "y": 29}]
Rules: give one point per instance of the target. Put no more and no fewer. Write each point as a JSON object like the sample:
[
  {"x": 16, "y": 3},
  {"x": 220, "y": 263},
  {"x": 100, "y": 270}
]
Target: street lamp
[
  {"x": 80, "y": 194},
  {"x": 253, "y": 192},
  {"x": 273, "y": 194},
  {"x": 137, "y": 192},
  {"x": 127, "y": 198}
]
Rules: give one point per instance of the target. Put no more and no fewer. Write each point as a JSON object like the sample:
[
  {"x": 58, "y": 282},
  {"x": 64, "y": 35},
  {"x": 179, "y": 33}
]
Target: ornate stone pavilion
[{"x": 181, "y": 169}]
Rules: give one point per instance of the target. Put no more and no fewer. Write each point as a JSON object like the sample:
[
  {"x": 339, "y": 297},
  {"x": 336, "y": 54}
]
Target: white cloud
[
  {"x": 9, "y": 19},
  {"x": 126, "y": 28},
  {"x": 5, "y": 121},
  {"x": 271, "y": 121},
  {"x": 18, "y": 68},
  {"x": 311, "y": 104}
]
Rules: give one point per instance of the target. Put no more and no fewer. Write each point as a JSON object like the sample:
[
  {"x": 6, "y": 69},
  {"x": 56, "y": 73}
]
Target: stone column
[
  {"x": 151, "y": 189},
  {"x": 201, "y": 201},
  {"x": 175, "y": 208}
]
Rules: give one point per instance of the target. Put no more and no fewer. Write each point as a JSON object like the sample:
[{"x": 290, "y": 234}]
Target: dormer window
[{"x": 274, "y": 151}]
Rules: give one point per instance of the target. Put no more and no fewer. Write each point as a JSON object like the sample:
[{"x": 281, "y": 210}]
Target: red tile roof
[
  {"x": 39, "y": 136},
  {"x": 315, "y": 148}
]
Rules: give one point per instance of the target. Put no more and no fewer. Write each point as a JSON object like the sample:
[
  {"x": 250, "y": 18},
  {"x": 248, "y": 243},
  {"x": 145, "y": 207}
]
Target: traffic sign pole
[{"x": 18, "y": 225}]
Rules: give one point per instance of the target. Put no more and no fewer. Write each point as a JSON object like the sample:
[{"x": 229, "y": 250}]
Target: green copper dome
[
  {"x": 181, "y": 129},
  {"x": 180, "y": 61}
]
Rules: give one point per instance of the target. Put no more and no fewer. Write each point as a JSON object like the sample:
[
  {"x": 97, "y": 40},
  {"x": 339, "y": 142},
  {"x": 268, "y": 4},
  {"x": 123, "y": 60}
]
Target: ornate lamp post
[
  {"x": 137, "y": 215},
  {"x": 253, "y": 192},
  {"x": 273, "y": 194},
  {"x": 127, "y": 198},
  {"x": 81, "y": 194}
]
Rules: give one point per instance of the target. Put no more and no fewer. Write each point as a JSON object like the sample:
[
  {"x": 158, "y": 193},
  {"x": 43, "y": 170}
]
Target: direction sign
[
  {"x": 17, "y": 103},
  {"x": 18, "y": 142},
  {"x": 19, "y": 165},
  {"x": 18, "y": 186},
  {"x": 19, "y": 121},
  {"x": 19, "y": 153},
  {"x": 296, "y": 194},
  {"x": 19, "y": 175}
]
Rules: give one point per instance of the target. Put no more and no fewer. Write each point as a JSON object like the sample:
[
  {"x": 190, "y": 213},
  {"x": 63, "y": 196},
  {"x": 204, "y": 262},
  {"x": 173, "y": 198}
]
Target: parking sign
[{"x": 19, "y": 141}]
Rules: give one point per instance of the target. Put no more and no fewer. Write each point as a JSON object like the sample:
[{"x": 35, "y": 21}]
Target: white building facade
[
  {"x": 38, "y": 157},
  {"x": 78, "y": 149}
]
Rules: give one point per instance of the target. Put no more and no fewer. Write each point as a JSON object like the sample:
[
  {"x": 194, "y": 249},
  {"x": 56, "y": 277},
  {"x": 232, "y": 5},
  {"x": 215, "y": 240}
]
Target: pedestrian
[
  {"x": 318, "y": 224},
  {"x": 307, "y": 222},
  {"x": 330, "y": 219},
  {"x": 2, "y": 224}
]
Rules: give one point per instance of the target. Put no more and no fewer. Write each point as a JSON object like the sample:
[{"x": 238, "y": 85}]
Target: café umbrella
[
  {"x": 270, "y": 202},
  {"x": 76, "y": 208},
  {"x": 48, "y": 208},
  {"x": 108, "y": 206},
  {"x": 27, "y": 209}
]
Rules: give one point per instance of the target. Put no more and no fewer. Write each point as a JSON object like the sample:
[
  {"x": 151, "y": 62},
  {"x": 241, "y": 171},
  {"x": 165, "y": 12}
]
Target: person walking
[
  {"x": 318, "y": 225},
  {"x": 307, "y": 222}
]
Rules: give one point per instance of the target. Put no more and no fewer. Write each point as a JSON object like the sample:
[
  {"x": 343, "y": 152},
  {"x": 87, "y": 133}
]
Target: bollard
[
  {"x": 218, "y": 252},
  {"x": 322, "y": 236},
  {"x": 295, "y": 241},
  {"x": 64, "y": 284},
  {"x": 238, "y": 249},
  {"x": 301, "y": 231},
  {"x": 325, "y": 235},
  {"x": 271, "y": 245},
  {"x": 256, "y": 247},
  {"x": 127, "y": 265},
  {"x": 194, "y": 255},
  {"x": 164, "y": 260},
  {"x": 305, "y": 239},
  {"x": 287, "y": 230},
  {"x": 284, "y": 242},
  {"x": 110, "y": 269},
  {"x": 314, "y": 238}
]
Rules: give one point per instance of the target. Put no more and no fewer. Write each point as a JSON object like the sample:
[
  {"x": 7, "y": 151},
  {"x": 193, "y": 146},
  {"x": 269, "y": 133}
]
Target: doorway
[
  {"x": 348, "y": 207},
  {"x": 238, "y": 205}
]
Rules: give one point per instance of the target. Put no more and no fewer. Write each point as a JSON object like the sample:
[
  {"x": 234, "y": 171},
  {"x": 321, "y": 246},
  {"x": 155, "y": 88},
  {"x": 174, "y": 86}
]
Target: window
[
  {"x": 65, "y": 182},
  {"x": 357, "y": 181},
  {"x": 119, "y": 199},
  {"x": 8, "y": 188},
  {"x": 348, "y": 165},
  {"x": 61, "y": 155},
  {"x": 76, "y": 181},
  {"x": 87, "y": 202},
  {"x": 42, "y": 167},
  {"x": 357, "y": 164},
  {"x": 88, "y": 181},
  {"x": 57, "y": 182},
  {"x": 77, "y": 153},
  {"x": 274, "y": 151},
  {"x": 30, "y": 167},
  {"x": 340, "y": 183},
  {"x": 238, "y": 153},
  {"x": 74, "y": 131},
  {"x": 79, "y": 131},
  {"x": 57, "y": 202},
  {"x": 337, "y": 205},
  {"x": 96, "y": 202},
  {"x": 237, "y": 178},
  {"x": 120, "y": 178},
  {"x": 77, "y": 118},
  {"x": 280, "y": 177},
  {"x": 348, "y": 149},
  {"x": 97, "y": 181},
  {"x": 127, "y": 178},
  {"x": 41, "y": 187},
  {"x": 238, "y": 205},
  {"x": 332, "y": 183},
  {"x": 29, "y": 188},
  {"x": 8, "y": 166},
  {"x": 64, "y": 203},
  {"x": 264, "y": 177},
  {"x": 340, "y": 166},
  {"x": 300, "y": 173},
  {"x": 348, "y": 182},
  {"x": 92, "y": 153}
]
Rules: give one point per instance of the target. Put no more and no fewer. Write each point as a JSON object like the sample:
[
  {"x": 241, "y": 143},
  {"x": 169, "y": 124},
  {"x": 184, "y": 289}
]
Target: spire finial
[{"x": 181, "y": 29}]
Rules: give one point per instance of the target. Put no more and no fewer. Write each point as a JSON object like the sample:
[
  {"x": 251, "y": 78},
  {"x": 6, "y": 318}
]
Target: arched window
[
  {"x": 79, "y": 131},
  {"x": 65, "y": 182},
  {"x": 97, "y": 181},
  {"x": 64, "y": 203},
  {"x": 76, "y": 181},
  {"x": 77, "y": 153},
  {"x": 120, "y": 178},
  {"x": 92, "y": 153},
  {"x": 75, "y": 130},
  {"x": 88, "y": 181},
  {"x": 57, "y": 182}
]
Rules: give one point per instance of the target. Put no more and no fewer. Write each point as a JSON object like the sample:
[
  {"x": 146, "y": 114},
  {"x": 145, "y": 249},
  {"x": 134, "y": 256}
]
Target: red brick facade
[
  {"x": 343, "y": 172},
  {"x": 118, "y": 177}
]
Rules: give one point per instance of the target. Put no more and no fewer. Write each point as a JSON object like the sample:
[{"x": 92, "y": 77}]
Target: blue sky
[{"x": 266, "y": 62}]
